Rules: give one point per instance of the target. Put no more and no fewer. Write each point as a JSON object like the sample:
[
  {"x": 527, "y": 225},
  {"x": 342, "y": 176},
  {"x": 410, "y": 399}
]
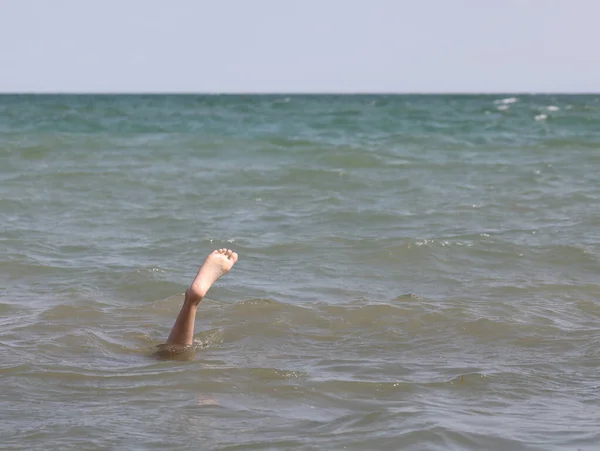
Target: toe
[
  {"x": 234, "y": 257},
  {"x": 228, "y": 253}
]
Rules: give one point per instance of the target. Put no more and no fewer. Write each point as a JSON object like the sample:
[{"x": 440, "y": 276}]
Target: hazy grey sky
[{"x": 299, "y": 45}]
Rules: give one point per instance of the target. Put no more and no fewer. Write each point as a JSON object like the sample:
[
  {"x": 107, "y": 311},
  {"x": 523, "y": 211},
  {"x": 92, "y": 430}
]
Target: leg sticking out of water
[{"x": 217, "y": 264}]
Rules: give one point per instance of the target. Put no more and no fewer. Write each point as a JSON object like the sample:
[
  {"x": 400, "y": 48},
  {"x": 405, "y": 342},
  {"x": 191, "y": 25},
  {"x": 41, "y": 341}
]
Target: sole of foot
[{"x": 216, "y": 265}]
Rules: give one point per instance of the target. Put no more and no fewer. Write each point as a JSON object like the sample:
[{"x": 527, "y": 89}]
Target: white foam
[
  {"x": 506, "y": 101},
  {"x": 541, "y": 117},
  {"x": 552, "y": 108}
]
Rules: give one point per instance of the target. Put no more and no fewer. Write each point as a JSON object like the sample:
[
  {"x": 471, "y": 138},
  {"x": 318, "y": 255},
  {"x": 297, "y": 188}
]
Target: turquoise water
[{"x": 416, "y": 272}]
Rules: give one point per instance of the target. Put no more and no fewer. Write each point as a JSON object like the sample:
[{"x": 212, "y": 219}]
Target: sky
[{"x": 210, "y": 46}]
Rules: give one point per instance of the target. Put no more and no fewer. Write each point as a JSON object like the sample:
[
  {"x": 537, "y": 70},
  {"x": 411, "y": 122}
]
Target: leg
[{"x": 217, "y": 264}]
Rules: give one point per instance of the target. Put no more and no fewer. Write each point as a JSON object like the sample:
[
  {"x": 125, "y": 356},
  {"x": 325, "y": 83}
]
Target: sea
[{"x": 416, "y": 272}]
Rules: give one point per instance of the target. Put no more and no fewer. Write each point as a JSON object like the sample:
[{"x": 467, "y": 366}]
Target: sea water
[{"x": 415, "y": 272}]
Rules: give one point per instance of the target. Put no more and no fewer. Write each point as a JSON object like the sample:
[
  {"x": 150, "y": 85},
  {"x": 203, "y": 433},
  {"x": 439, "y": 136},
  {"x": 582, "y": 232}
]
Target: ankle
[{"x": 192, "y": 298}]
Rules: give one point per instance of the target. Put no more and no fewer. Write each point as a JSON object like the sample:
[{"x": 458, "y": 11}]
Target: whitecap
[
  {"x": 503, "y": 107},
  {"x": 506, "y": 101},
  {"x": 541, "y": 117},
  {"x": 552, "y": 108}
]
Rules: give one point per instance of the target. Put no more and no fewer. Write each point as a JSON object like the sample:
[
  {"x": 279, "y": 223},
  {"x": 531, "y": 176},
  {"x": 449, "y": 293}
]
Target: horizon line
[{"x": 299, "y": 93}]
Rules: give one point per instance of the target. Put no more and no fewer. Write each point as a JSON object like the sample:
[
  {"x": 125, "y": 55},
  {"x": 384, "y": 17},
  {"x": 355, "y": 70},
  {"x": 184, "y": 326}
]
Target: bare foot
[{"x": 217, "y": 264}]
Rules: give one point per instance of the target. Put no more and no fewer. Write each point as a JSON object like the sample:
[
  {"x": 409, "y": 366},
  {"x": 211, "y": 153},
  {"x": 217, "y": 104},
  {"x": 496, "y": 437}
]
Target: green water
[{"x": 416, "y": 272}]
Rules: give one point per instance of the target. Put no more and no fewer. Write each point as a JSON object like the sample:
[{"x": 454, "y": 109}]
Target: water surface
[{"x": 416, "y": 272}]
